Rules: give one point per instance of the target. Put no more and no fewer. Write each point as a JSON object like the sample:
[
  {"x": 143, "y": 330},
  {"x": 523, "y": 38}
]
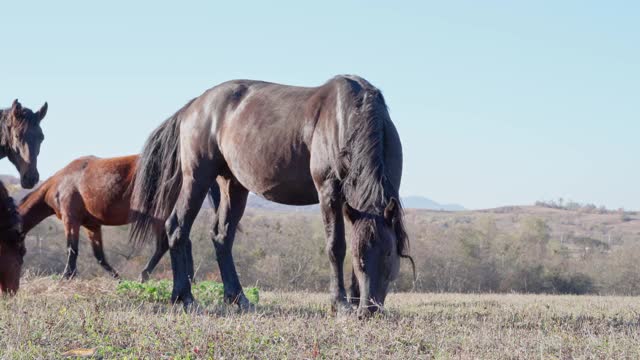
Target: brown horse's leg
[
  {"x": 331, "y": 207},
  {"x": 233, "y": 200},
  {"x": 95, "y": 236},
  {"x": 162, "y": 246},
  {"x": 71, "y": 230}
]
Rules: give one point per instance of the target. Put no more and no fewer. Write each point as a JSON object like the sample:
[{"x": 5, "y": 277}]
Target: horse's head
[
  {"x": 21, "y": 138},
  {"x": 378, "y": 242}
]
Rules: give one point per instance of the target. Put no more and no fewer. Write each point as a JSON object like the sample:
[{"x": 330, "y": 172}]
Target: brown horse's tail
[{"x": 158, "y": 180}]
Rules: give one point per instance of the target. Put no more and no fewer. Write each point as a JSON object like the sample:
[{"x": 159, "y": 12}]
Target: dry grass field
[{"x": 49, "y": 318}]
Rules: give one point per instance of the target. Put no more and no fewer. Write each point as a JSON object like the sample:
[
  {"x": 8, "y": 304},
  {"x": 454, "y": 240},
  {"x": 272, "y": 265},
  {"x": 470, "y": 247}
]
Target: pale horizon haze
[{"x": 497, "y": 103}]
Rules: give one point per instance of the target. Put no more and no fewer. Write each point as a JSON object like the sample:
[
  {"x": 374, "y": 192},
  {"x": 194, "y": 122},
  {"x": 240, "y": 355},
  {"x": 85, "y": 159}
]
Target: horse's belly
[
  {"x": 291, "y": 193},
  {"x": 283, "y": 182}
]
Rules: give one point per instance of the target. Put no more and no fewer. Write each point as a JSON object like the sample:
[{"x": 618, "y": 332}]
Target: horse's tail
[{"x": 158, "y": 180}]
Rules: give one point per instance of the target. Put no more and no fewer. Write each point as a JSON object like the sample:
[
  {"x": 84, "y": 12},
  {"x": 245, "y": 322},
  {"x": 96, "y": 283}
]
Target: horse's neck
[{"x": 34, "y": 208}]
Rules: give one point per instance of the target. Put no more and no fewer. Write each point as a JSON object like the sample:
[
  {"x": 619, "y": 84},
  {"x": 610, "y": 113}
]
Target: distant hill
[
  {"x": 12, "y": 184},
  {"x": 9, "y": 179},
  {"x": 257, "y": 202},
  {"x": 420, "y": 202},
  {"x": 410, "y": 202}
]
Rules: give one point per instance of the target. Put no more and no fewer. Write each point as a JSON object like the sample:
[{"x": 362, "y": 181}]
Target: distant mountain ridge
[
  {"x": 421, "y": 202},
  {"x": 257, "y": 202}
]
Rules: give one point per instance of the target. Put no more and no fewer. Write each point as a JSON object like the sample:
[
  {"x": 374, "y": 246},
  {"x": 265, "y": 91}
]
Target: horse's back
[
  {"x": 274, "y": 139},
  {"x": 263, "y": 132},
  {"x": 96, "y": 189},
  {"x": 106, "y": 188}
]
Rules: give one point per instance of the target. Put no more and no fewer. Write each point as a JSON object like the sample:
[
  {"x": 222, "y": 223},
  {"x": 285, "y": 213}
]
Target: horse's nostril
[{"x": 29, "y": 181}]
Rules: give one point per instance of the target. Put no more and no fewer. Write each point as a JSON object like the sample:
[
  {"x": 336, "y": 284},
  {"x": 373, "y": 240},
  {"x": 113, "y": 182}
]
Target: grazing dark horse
[
  {"x": 89, "y": 192},
  {"x": 12, "y": 247},
  {"x": 334, "y": 144},
  {"x": 20, "y": 139}
]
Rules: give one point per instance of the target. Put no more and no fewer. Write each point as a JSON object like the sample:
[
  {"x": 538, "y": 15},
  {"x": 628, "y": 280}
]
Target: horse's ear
[
  {"x": 16, "y": 108},
  {"x": 350, "y": 213},
  {"x": 42, "y": 112},
  {"x": 391, "y": 211}
]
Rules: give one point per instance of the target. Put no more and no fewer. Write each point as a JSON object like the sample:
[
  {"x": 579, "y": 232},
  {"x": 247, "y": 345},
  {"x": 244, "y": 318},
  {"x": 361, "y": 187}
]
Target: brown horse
[
  {"x": 334, "y": 144},
  {"x": 89, "y": 192},
  {"x": 20, "y": 139},
  {"x": 12, "y": 247}
]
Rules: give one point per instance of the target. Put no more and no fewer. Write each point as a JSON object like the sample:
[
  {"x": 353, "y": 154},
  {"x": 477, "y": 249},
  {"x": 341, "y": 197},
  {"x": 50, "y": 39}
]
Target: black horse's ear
[
  {"x": 350, "y": 213},
  {"x": 16, "y": 108},
  {"x": 391, "y": 211},
  {"x": 42, "y": 112}
]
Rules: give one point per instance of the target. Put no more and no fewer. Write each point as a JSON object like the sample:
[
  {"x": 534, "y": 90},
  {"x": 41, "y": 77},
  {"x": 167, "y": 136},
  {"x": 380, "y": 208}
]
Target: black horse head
[{"x": 20, "y": 139}]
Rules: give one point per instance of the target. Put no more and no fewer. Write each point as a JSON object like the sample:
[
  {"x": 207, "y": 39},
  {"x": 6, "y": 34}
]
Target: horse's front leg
[
  {"x": 354, "y": 291},
  {"x": 331, "y": 207}
]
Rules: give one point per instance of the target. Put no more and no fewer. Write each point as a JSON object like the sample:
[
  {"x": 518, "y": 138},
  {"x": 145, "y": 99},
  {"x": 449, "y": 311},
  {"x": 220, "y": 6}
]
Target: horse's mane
[
  {"x": 3, "y": 127},
  {"x": 6, "y": 126},
  {"x": 365, "y": 180}
]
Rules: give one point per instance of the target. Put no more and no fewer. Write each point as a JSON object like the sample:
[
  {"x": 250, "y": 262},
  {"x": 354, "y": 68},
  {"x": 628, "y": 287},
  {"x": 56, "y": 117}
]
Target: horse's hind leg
[
  {"x": 71, "y": 230},
  {"x": 233, "y": 200},
  {"x": 162, "y": 246},
  {"x": 195, "y": 183},
  {"x": 95, "y": 236}
]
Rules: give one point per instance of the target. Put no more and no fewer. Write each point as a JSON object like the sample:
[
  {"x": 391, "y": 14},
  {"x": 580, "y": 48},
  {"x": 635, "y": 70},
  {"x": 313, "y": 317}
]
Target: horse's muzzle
[{"x": 29, "y": 180}]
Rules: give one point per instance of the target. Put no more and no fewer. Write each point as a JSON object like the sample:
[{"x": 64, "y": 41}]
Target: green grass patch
[{"x": 205, "y": 292}]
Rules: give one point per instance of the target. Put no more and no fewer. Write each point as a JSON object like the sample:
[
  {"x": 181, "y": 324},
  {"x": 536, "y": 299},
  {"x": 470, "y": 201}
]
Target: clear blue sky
[{"x": 496, "y": 102}]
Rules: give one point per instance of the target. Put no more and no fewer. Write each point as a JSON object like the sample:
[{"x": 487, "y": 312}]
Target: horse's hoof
[
  {"x": 190, "y": 305},
  {"x": 341, "y": 308},
  {"x": 144, "y": 277},
  {"x": 364, "y": 313},
  {"x": 245, "y": 305}
]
